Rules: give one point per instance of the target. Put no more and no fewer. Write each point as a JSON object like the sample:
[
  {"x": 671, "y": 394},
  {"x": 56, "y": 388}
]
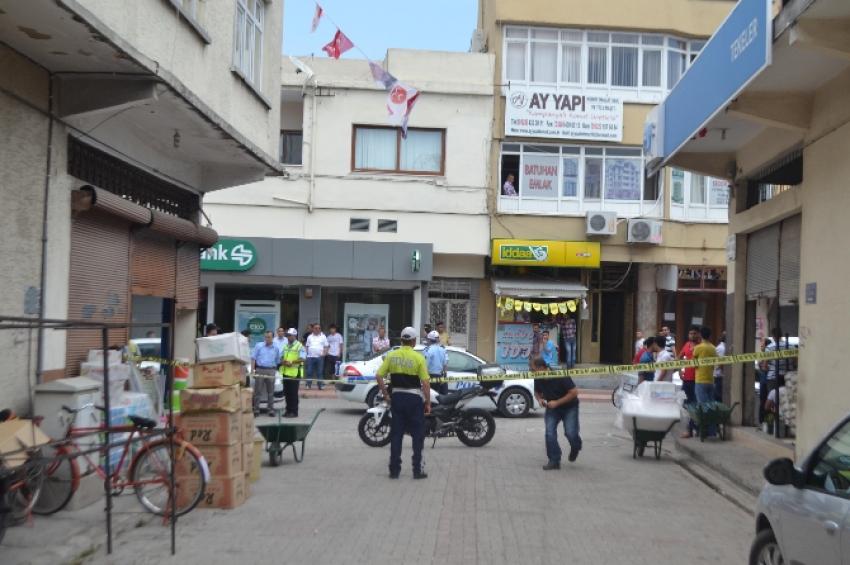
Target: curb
[{"x": 719, "y": 469}]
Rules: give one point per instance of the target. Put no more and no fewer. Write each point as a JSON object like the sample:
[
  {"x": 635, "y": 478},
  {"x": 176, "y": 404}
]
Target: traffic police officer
[
  {"x": 436, "y": 359},
  {"x": 410, "y": 401},
  {"x": 291, "y": 361}
]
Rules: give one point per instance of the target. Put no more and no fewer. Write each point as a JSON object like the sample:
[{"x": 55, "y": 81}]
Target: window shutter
[
  {"x": 152, "y": 265},
  {"x": 763, "y": 262},
  {"x": 789, "y": 261}
]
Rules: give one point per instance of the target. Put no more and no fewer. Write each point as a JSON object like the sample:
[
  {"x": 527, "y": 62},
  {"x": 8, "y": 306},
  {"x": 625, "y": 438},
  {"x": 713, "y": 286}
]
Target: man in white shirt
[
  {"x": 663, "y": 355},
  {"x": 718, "y": 369},
  {"x": 334, "y": 350},
  {"x": 280, "y": 338},
  {"x": 317, "y": 347}
]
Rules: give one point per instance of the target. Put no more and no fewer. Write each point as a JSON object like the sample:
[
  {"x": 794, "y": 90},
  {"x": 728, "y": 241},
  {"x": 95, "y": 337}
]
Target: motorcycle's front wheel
[
  {"x": 373, "y": 433},
  {"x": 476, "y": 428}
]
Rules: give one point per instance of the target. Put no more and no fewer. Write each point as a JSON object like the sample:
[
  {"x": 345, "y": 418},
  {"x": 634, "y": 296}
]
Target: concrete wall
[
  {"x": 23, "y": 154},
  {"x": 154, "y": 29}
]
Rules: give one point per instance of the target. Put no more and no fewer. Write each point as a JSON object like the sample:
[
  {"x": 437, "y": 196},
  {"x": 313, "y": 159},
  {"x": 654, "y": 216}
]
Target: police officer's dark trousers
[{"x": 408, "y": 411}]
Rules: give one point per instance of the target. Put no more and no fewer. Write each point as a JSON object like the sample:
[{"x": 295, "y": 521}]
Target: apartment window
[
  {"x": 695, "y": 197},
  {"x": 290, "y": 147},
  {"x": 384, "y": 149},
  {"x": 190, "y": 12},
  {"x": 639, "y": 67},
  {"x": 248, "y": 40},
  {"x": 388, "y": 226},
  {"x": 188, "y": 7},
  {"x": 358, "y": 224}
]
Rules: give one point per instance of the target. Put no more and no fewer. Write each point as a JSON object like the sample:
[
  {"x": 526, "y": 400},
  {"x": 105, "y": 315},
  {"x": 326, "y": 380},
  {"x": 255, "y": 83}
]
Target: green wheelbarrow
[{"x": 281, "y": 435}]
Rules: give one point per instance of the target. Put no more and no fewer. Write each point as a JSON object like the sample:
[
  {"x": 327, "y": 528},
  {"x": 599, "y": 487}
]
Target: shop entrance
[{"x": 611, "y": 346}]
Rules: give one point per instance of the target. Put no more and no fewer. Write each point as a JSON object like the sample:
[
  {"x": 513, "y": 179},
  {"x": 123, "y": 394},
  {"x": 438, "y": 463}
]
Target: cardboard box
[
  {"x": 16, "y": 436},
  {"x": 257, "y": 460},
  {"x": 247, "y": 456},
  {"x": 211, "y": 428},
  {"x": 221, "y": 492},
  {"x": 96, "y": 356},
  {"x": 222, "y": 460},
  {"x": 222, "y": 399},
  {"x": 248, "y": 428},
  {"x": 223, "y": 347},
  {"x": 248, "y": 400},
  {"x": 214, "y": 375}
]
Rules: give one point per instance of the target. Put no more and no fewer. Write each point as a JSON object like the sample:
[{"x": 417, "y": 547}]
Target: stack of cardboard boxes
[{"x": 217, "y": 418}]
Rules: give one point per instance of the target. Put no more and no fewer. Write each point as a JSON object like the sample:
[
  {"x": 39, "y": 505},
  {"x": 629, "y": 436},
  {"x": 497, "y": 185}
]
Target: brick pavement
[{"x": 488, "y": 505}]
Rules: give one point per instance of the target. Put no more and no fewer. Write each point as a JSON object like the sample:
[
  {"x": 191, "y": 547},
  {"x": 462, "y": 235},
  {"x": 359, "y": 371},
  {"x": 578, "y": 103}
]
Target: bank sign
[
  {"x": 546, "y": 253},
  {"x": 229, "y": 255},
  {"x": 542, "y": 112}
]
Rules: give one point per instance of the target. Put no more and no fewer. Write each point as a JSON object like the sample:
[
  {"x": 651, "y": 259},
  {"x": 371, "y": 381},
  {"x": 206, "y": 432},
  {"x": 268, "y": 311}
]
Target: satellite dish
[{"x": 301, "y": 67}]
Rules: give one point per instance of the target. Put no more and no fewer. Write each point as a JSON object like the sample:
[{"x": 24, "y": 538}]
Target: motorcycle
[{"x": 473, "y": 427}]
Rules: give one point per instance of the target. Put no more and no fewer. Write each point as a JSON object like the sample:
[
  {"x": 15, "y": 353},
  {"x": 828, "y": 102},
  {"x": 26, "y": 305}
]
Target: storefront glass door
[{"x": 455, "y": 314}]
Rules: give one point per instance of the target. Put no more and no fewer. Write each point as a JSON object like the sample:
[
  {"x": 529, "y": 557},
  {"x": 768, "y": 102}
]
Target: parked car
[
  {"x": 149, "y": 347},
  {"x": 803, "y": 513},
  {"x": 515, "y": 397}
]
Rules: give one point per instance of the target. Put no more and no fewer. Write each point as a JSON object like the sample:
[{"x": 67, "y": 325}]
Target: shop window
[
  {"x": 383, "y": 149},
  {"x": 696, "y": 197},
  {"x": 290, "y": 147}
]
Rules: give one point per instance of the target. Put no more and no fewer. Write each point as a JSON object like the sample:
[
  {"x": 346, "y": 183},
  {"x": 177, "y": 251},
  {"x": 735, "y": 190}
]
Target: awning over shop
[{"x": 524, "y": 288}]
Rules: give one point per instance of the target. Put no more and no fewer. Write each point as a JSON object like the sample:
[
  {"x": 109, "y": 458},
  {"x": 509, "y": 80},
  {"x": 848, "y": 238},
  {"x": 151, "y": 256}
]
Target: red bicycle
[{"x": 147, "y": 469}]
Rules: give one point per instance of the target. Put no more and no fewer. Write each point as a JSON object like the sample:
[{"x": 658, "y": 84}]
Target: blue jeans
[
  {"x": 315, "y": 366},
  {"x": 554, "y": 416},
  {"x": 570, "y": 352},
  {"x": 408, "y": 411},
  {"x": 705, "y": 393}
]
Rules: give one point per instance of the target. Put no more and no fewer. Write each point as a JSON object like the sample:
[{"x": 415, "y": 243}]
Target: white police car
[{"x": 515, "y": 398}]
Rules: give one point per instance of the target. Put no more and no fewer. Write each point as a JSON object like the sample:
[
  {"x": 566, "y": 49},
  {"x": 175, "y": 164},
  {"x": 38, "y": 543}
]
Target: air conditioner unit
[
  {"x": 644, "y": 231},
  {"x": 601, "y": 223}
]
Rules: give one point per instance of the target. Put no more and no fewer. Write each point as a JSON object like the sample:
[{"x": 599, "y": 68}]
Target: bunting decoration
[
  {"x": 316, "y": 17},
  {"x": 338, "y": 45},
  {"x": 400, "y": 97},
  {"x": 506, "y": 304}
]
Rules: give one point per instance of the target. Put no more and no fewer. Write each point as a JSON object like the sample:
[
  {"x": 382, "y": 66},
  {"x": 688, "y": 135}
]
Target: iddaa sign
[{"x": 229, "y": 255}]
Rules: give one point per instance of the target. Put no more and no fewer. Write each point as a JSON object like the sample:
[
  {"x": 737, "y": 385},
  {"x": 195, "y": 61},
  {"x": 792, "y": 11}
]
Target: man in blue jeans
[{"x": 560, "y": 398}]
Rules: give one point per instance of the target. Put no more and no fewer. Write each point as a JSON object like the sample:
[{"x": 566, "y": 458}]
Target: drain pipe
[
  {"x": 312, "y": 148},
  {"x": 39, "y": 364}
]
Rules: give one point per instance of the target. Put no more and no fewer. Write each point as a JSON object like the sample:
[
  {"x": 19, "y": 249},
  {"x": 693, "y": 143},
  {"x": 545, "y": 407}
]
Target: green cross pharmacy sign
[{"x": 229, "y": 255}]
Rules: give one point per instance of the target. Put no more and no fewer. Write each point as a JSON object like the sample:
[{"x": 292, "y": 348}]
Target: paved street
[{"x": 488, "y": 505}]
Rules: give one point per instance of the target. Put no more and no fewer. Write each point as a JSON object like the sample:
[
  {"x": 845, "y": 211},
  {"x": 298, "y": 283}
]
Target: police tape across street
[{"x": 556, "y": 373}]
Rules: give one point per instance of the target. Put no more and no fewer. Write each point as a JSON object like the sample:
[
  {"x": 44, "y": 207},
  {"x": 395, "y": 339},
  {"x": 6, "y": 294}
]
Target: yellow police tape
[{"x": 556, "y": 373}]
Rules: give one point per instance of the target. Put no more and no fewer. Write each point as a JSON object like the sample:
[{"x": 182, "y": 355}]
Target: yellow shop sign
[{"x": 546, "y": 253}]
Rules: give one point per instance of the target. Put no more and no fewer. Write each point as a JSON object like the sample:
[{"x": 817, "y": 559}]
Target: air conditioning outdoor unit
[
  {"x": 644, "y": 231},
  {"x": 601, "y": 223}
]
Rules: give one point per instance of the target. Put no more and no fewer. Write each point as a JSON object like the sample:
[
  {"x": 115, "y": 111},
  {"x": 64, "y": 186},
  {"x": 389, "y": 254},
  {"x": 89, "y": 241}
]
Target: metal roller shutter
[
  {"x": 763, "y": 262},
  {"x": 152, "y": 264},
  {"x": 99, "y": 282},
  {"x": 188, "y": 276},
  {"x": 789, "y": 261}
]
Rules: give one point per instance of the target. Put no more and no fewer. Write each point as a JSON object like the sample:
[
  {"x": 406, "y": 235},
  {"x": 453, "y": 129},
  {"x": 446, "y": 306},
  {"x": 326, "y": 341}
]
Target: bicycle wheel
[
  {"x": 24, "y": 489},
  {"x": 150, "y": 475},
  {"x": 61, "y": 479}
]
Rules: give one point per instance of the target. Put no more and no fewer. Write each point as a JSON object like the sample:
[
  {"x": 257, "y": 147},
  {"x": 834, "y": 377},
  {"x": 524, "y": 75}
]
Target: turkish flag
[
  {"x": 338, "y": 45},
  {"x": 316, "y": 17}
]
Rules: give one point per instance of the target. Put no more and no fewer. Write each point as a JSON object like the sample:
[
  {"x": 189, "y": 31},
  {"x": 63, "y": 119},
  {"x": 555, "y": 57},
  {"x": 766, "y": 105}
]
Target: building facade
[
  {"x": 777, "y": 127},
  {"x": 574, "y": 82},
  {"x": 117, "y": 119},
  {"x": 367, "y": 228}
]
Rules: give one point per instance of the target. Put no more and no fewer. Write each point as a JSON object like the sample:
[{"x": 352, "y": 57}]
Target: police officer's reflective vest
[{"x": 291, "y": 352}]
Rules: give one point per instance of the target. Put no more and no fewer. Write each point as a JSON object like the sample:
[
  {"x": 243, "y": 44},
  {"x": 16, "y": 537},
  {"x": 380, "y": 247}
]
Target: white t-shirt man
[
  {"x": 334, "y": 344},
  {"x": 664, "y": 355},
  {"x": 316, "y": 345}
]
